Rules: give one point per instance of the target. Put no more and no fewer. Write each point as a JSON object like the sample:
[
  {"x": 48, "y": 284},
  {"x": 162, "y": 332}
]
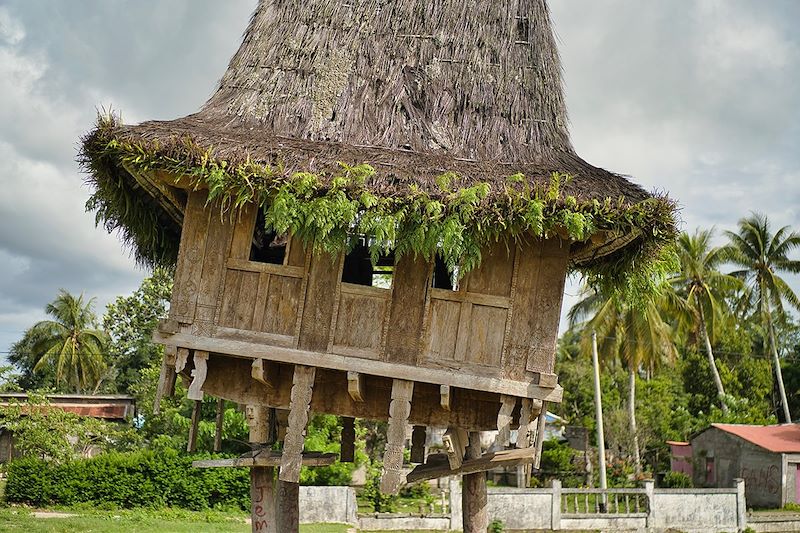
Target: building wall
[
  {"x": 791, "y": 483},
  {"x": 720, "y": 457}
]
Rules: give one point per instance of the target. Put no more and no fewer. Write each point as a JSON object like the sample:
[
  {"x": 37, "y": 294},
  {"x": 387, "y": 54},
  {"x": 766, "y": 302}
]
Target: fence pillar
[
  {"x": 555, "y": 511},
  {"x": 741, "y": 505},
  {"x": 456, "y": 518},
  {"x": 650, "y": 490}
]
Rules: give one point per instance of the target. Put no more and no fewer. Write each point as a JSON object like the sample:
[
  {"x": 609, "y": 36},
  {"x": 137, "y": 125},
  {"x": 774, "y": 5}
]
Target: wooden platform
[
  {"x": 266, "y": 458},
  {"x": 438, "y": 465}
]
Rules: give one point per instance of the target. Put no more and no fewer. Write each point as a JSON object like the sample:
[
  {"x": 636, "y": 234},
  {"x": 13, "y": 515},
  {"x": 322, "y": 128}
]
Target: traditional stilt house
[{"x": 374, "y": 216}]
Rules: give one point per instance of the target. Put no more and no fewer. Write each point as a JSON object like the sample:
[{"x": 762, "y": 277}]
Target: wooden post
[
  {"x": 473, "y": 497},
  {"x": 399, "y": 409},
  {"x": 262, "y": 478},
  {"x": 262, "y": 495},
  {"x": 418, "y": 438},
  {"x": 191, "y": 446},
  {"x": 218, "y": 428},
  {"x": 300, "y": 400},
  {"x": 348, "y": 449},
  {"x": 288, "y": 507}
]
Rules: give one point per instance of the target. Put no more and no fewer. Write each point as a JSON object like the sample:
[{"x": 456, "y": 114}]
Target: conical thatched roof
[{"x": 443, "y": 100}]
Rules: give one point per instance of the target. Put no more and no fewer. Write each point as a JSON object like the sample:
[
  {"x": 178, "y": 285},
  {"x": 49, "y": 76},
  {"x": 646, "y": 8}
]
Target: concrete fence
[{"x": 556, "y": 508}]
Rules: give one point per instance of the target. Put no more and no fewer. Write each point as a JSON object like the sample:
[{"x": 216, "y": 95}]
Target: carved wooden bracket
[
  {"x": 455, "y": 442},
  {"x": 355, "y": 386},
  {"x": 300, "y": 400},
  {"x": 507, "y": 405},
  {"x": 199, "y": 375},
  {"x": 399, "y": 409}
]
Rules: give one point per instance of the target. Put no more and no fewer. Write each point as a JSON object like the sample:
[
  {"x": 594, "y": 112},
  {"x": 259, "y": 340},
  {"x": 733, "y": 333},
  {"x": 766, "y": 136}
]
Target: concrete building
[{"x": 766, "y": 457}]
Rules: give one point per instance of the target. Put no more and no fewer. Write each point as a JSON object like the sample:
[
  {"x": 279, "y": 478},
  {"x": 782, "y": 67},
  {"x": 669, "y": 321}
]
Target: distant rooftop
[
  {"x": 784, "y": 438},
  {"x": 105, "y": 406}
]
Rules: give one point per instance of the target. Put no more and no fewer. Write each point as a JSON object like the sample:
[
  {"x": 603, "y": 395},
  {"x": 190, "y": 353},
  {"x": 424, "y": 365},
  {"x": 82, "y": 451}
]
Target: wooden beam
[
  {"x": 199, "y": 372},
  {"x": 438, "y": 466},
  {"x": 302, "y": 387},
  {"x": 507, "y": 405},
  {"x": 445, "y": 399},
  {"x": 348, "y": 447},
  {"x": 418, "y": 438},
  {"x": 266, "y": 458},
  {"x": 355, "y": 386},
  {"x": 455, "y": 442},
  {"x": 399, "y": 409},
  {"x": 220, "y": 419},
  {"x": 247, "y": 350},
  {"x": 191, "y": 446}
]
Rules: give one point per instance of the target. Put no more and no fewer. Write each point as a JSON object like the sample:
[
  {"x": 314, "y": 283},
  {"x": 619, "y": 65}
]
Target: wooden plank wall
[{"x": 502, "y": 322}]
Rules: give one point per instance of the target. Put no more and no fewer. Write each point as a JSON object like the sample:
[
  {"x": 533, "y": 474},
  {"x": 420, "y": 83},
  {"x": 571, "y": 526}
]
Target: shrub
[
  {"x": 496, "y": 526},
  {"x": 127, "y": 480},
  {"x": 677, "y": 480}
]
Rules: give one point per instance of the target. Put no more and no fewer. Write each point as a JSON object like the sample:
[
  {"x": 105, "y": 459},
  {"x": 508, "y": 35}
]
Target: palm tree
[
  {"x": 636, "y": 336},
  {"x": 761, "y": 255},
  {"x": 70, "y": 342},
  {"x": 701, "y": 288}
]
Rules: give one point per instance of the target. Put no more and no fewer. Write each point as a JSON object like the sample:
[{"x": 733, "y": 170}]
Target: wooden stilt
[
  {"x": 418, "y": 438},
  {"x": 473, "y": 497},
  {"x": 348, "y": 450},
  {"x": 191, "y": 446},
  {"x": 218, "y": 429},
  {"x": 262, "y": 496},
  {"x": 399, "y": 409},
  {"x": 288, "y": 507},
  {"x": 300, "y": 399},
  {"x": 507, "y": 404}
]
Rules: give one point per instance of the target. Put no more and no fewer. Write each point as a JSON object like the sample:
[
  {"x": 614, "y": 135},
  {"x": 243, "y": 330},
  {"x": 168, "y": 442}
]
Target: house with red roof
[{"x": 766, "y": 457}]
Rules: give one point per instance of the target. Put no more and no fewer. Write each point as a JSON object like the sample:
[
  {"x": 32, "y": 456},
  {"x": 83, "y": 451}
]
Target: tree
[
  {"x": 760, "y": 254},
  {"x": 70, "y": 344},
  {"x": 702, "y": 289},
  {"x": 130, "y": 322},
  {"x": 635, "y": 336}
]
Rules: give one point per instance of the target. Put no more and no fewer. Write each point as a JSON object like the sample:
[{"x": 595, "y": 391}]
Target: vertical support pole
[
  {"x": 262, "y": 497},
  {"x": 418, "y": 444},
  {"x": 348, "y": 449},
  {"x": 218, "y": 428},
  {"x": 399, "y": 409},
  {"x": 191, "y": 446},
  {"x": 299, "y": 402},
  {"x": 598, "y": 412},
  {"x": 288, "y": 507},
  {"x": 262, "y": 478},
  {"x": 474, "y": 498},
  {"x": 555, "y": 506}
]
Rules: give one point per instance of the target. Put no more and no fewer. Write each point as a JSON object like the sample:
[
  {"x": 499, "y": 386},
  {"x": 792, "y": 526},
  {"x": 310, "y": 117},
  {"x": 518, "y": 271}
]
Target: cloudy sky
[{"x": 698, "y": 98}]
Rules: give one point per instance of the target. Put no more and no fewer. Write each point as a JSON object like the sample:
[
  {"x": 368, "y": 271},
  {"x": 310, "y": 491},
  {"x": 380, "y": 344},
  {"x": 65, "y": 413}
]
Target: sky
[{"x": 698, "y": 98}]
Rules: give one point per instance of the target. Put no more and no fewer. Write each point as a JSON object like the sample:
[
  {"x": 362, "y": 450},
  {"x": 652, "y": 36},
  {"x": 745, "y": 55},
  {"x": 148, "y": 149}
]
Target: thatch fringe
[{"x": 448, "y": 217}]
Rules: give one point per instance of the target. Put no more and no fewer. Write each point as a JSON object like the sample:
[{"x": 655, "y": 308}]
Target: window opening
[
  {"x": 358, "y": 267},
  {"x": 442, "y": 277},
  {"x": 267, "y": 246}
]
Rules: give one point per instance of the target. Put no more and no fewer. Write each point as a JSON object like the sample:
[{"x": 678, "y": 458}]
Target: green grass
[{"x": 139, "y": 521}]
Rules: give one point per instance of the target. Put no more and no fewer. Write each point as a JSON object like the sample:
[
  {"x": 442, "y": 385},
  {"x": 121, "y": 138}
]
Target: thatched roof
[{"x": 415, "y": 89}]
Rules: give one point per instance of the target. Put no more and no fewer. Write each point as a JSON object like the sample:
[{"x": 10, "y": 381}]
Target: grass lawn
[{"x": 14, "y": 519}]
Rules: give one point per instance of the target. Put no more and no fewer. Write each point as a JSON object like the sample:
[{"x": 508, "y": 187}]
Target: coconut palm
[
  {"x": 636, "y": 336},
  {"x": 702, "y": 289},
  {"x": 70, "y": 342},
  {"x": 761, "y": 255}
]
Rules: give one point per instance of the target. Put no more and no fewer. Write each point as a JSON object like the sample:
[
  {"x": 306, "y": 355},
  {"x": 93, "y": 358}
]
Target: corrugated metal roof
[{"x": 784, "y": 438}]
